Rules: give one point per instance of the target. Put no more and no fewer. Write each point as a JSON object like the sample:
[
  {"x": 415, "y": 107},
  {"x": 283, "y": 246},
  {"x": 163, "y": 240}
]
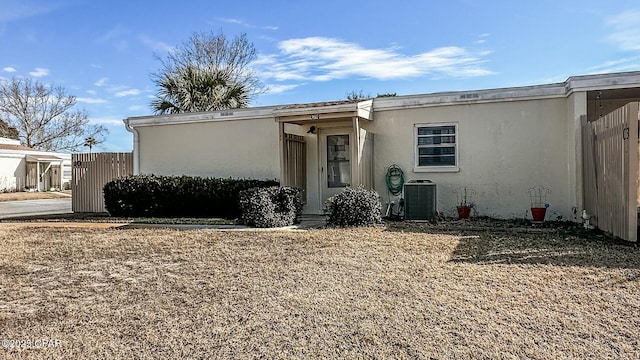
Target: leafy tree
[
  {"x": 90, "y": 142},
  {"x": 192, "y": 89},
  {"x": 44, "y": 116},
  {"x": 360, "y": 95},
  {"x": 357, "y": 95},
  {"x": 209, "y": 72}
]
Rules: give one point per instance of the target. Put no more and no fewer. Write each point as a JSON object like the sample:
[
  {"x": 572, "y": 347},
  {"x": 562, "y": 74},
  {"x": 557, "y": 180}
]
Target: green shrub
[
  {"x": 177, "y": 196},
  {"x": 270, "y": 207},
  {"x": 354, "y": 207}
]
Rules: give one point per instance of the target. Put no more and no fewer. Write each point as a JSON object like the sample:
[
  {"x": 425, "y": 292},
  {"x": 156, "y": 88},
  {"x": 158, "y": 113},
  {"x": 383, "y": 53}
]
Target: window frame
[{"x": 435, "y": 168}]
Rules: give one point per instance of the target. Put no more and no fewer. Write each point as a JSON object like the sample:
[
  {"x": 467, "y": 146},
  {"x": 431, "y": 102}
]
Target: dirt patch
[{"x": 372, "y": 292}]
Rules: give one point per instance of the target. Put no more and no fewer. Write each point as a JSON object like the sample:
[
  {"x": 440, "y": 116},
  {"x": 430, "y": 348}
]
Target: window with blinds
[{"x": 436, "y": 146}]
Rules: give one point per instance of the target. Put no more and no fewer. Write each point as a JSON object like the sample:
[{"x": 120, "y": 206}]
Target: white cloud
[
  {"x": 277, "y": 89},
  {"x": 155, "y": 45},
  {"x": 39, "y": 72},
  {"x": 107, "y": 121},
  {"x": 625, "y": 30},
  {"x": 234, "y": 21},
  {"x": 618, "y": 65},
  {"x": 244, "y": 23},
  {"x": 20, "y": 9},
  {"x": 137, "y": 108},
  {"x": 101, "y": 81},
  {"x": 91, "y": 100},
  {"x": 113, "y": 33},
  {"x": 324, "y": 59},
  {"x": 482, "y": 38},
  {"x": 9, "y": 69},
  {"x": 130, "y": 92}
]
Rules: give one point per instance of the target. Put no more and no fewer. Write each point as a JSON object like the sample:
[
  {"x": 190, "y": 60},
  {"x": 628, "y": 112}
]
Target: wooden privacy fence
[
  {"x": 89, "y": 174},
  {"x": 610, "y": 171},
  {"x": 295, "y": 163}
]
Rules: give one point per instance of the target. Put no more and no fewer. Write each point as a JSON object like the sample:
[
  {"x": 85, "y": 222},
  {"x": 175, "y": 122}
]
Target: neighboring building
[
  {"x": 23, "y": 168},
  {"x": 498, "y": 142}
]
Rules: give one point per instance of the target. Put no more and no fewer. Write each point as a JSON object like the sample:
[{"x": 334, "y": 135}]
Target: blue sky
[{"x": 103, "y": 51}]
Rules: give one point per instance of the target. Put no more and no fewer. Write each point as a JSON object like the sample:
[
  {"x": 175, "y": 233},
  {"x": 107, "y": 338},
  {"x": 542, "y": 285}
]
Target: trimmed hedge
[
  {"x": 177, "y": 196},
  {"x": 354, "y": 207},
  {"x": 270, "y": 207}
]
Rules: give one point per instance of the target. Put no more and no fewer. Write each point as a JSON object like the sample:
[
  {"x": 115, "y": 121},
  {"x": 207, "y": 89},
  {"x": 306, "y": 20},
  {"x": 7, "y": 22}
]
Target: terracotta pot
[
  {"x": 464, "y": 212},
  {"x": 538, "y": 213}
]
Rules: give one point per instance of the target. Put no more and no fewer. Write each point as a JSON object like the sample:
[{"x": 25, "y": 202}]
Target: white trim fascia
[
  {"x": 33, "y": 153},
  {"x": 471, "y": 97},
  {"x": 355, "y": 107},
  {"x": 213, "y": 116},
  {"x": 602, "y": 82},
  {"x": 7, "y": 155}
]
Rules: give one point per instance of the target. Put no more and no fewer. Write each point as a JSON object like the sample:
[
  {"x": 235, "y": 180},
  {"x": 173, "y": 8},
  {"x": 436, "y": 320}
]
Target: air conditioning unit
[{"x": 419, "y": 200}]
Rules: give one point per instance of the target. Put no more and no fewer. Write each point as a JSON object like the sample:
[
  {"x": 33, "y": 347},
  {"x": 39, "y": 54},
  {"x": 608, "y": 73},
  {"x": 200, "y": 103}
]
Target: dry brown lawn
[
  {"x": 27, "y": 195},
  {"x": 363, "y": 293}
]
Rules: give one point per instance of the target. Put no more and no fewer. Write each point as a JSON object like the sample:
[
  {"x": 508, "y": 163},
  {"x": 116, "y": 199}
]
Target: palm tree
[
  {"x": 90, "y": 142},
  {"x": 194, "y": 89}
]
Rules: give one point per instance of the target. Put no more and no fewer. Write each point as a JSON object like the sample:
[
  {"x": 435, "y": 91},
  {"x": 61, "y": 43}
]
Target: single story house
[
  {"x": 24, "y": 168},
  {"x": 498, "y": 143}
]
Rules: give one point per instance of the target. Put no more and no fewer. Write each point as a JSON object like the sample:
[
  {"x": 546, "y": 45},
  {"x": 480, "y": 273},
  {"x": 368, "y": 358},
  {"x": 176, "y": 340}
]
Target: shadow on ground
[{"x": 554, "y": 244}]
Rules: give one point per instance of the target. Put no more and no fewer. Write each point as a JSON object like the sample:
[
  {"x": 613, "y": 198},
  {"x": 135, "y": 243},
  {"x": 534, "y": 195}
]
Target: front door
[{"x": 335, "y": 163}]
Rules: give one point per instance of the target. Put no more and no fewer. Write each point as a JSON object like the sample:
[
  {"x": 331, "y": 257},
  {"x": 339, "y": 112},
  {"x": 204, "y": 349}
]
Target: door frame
[{"x": 323, "y": 190}]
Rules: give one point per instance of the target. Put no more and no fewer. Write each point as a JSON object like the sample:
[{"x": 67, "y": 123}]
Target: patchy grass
[
  {"x": 400, "y": 292},
  {"x": 26, "y": 195}
]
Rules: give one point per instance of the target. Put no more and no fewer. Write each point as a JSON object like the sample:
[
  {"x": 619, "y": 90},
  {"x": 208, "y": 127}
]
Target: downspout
[{"x": 136, "y": 146}]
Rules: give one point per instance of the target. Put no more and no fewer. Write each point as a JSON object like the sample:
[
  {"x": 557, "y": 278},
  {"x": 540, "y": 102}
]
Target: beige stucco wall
[
  {"x": 227, "y": 148},
  {"x": 576, "y": 108},
  {"x": 505, "y": 148}
]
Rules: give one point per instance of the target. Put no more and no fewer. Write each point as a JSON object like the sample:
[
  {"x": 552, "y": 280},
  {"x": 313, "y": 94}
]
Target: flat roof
[{"x": 592, "y": 82}]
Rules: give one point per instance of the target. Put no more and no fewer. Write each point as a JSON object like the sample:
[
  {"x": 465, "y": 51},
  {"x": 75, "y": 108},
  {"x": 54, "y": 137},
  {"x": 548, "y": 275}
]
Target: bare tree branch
[{"x": 44, "y": 116}]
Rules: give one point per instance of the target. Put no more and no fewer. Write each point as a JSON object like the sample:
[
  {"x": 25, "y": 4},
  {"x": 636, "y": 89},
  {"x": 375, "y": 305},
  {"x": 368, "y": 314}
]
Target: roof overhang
[
  {"x": 211, "y": 116},
  {"x": 44, "y": 158},
  {"x": 324, "y": 112},
  {"x": 603, "y": 81}
]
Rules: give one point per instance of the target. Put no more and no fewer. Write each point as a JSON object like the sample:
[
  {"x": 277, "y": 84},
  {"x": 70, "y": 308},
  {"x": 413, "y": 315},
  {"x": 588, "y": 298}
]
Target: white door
[{"x": 335, "y": 162}]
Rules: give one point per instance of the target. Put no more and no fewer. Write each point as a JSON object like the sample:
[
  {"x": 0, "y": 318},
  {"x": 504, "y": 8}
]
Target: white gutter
[{"x": 136, "y": 146}]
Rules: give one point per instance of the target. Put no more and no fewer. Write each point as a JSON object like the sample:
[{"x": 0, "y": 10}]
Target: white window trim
[{"x": 433, "y": 169}]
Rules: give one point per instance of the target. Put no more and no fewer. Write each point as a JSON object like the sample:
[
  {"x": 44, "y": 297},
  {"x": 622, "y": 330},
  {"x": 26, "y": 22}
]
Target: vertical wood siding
[
  {"x": 610, "y": 171},
  {"x": 89, "y": 174},
  {"x": 295, "y": 163}
]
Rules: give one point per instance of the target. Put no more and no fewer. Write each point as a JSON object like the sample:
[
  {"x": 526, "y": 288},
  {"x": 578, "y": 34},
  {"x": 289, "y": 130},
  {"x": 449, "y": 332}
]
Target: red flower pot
[
  {"x": 464, "y": 212},
  {"x": 538, "y": 213}
]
